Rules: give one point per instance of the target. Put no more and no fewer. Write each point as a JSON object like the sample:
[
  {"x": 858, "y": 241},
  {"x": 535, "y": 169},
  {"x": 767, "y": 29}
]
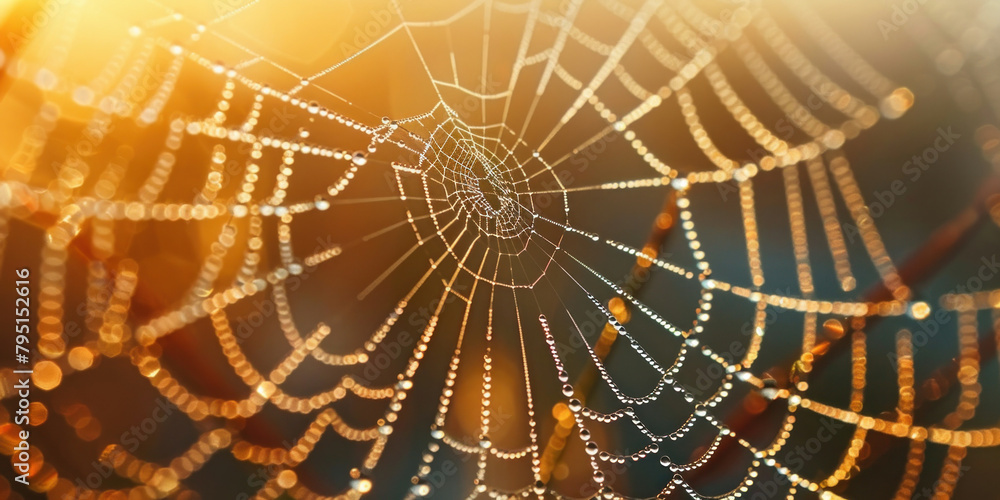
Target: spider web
[{"x": 475, "y": 202}]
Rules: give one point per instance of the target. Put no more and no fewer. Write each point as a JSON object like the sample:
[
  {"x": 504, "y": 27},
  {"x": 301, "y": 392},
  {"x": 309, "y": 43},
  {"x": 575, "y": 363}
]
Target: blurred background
[{"x": 97, "y": 102}]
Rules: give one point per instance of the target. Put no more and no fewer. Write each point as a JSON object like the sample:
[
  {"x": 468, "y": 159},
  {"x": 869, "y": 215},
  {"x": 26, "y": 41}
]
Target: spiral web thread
[{"x": 472, "y": 188}]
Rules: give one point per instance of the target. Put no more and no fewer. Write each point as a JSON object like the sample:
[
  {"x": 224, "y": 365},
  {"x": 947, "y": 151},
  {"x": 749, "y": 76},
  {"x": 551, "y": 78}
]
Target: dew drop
[
  {"x": 421, "y": 489},
  {"x": 83, "y": 95},
  {"x": 539, "y": 487}
]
